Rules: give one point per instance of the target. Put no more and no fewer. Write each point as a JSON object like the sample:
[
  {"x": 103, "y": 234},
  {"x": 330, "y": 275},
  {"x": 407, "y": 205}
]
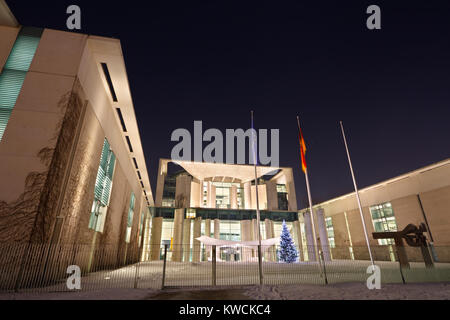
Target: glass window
[
  {"x": 15, "y": 70},
  {"x": 102, "y": 189},
  {"x": 130, "y": 218},
  {"x": 330, "y": 232},
  {"x": 383, "y": 220},
  {"x": 282, "y": 197}
]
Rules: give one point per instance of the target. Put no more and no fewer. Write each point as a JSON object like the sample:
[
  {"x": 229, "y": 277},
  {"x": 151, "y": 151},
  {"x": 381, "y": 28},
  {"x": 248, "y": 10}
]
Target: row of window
[
  {"x": 383, "y": 220},
  {"x": 102, "y": 195},
  {"x": 15, "y": 70}
]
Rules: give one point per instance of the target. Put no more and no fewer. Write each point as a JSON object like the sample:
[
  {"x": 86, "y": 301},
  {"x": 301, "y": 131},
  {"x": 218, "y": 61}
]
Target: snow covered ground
[
  {"x": 282, "y": 281},
  {"x": 339, "y": 291},
  {"x": 352, "y": 291}
]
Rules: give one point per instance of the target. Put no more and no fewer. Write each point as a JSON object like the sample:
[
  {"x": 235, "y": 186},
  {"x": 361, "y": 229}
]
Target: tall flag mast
[
  {"x": 357, "y": 194},
  {"x": 255, "y": 161},
  {"x": 305, "y": 170}
]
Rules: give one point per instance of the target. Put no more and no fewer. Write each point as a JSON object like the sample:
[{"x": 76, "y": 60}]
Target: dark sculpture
[{"x": 414, "y": 237}]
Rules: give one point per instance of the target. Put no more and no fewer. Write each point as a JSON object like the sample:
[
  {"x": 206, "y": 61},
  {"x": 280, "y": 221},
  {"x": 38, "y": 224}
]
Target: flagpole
[
  {"x": 257, "y": 205},
  {"x": 316, "y": 250},
  {"x": 357, "y": 194}
]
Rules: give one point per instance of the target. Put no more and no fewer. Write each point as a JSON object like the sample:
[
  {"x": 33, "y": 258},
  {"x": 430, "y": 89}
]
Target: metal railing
[{"x": 44, "y": 268}]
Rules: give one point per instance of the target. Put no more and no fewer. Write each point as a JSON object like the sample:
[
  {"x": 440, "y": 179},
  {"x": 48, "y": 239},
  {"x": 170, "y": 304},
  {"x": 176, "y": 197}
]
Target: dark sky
[{"x": 216, "y": 60}]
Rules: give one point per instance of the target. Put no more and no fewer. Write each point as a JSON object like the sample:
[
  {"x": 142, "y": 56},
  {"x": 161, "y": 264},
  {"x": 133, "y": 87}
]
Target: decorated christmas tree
[{"x": 288, "y": 253}]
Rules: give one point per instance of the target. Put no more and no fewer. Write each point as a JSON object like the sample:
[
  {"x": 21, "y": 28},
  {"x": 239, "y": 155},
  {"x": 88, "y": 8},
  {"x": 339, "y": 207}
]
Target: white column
[
  {"x": 247, "y": 195},
  {"x": 233, "y": 197},
  {"x": 323, "y": 235},
  {"x": 309, "y": 237}
]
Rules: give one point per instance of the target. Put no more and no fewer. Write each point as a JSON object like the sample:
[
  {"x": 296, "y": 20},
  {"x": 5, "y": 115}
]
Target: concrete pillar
[
  {"x": 177, "y": 241},
  {"x": 211, "y": 195},
  {"x": 309, "y": 237},
  {"x": 208, "y": 234},
  {"x": 297, "y": 234},
  {"x": 272, "y": 195},
  {"x": 255, "y": 235},
  {"x": 186, "y": 240},
  {"x": 208, "y": 194},
  {"x": 183, "y": 191},
  {"x": 217, "y": 228},
  {"x": 217, "y": 236},
  {"x": 246, "y": 235},
  {"x": 196, "y": 246},
  {"x": 323, "y": 235},
  {"x": 200, "y": 201},
  {"x": 155, "y": 238},
  {"x": 208, "y": 227},
  {"x": 290, "y": 187},
  {"x": 270, "y": 252},
  {"x": 233, "y": 197},
  {"x": 247, "y": 195}
]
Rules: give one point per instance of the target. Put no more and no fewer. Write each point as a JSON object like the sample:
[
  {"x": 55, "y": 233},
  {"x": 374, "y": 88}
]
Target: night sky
[{"x": 216, "y": 60}]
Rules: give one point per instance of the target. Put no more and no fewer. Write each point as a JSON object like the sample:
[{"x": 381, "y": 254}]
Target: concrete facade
[
  {"x": 421, "y": 196},
  {"x": 189, "y": 186},
  {"x": 50, "y": 150}
]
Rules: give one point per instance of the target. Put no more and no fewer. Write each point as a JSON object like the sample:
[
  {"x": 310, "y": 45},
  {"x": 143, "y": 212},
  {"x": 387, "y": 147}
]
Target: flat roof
[
  {"x": 7, "y": 18},
  {"x": 207, "y": 170},
  {"x": 386, "y": 182}
]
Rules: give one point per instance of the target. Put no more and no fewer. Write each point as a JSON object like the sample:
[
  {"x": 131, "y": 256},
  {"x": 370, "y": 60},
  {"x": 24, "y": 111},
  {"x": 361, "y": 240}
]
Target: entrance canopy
[
  {"x": 208, "y": 241},
  {"x": 207, "y": 170}
]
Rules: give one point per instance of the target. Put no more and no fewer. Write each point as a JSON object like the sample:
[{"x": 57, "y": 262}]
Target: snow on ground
[
  {"x": 339, "y": 291},
  {"x": 104, "y": 294},
  {"x": 351, "y": 291}
]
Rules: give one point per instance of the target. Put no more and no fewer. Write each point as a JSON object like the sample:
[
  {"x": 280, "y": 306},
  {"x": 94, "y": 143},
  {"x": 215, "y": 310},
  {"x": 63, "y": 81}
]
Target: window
[
  {"x": 222, "y": 195},
  {"x": 205, "y": 194},
  {"x": 383, "y": 220},
  {"x": 130, "y": 218},
  {"x": 330, "y": 232},
  {"x": 109, "y": 81},
  {"x": 282, "y": 197},
  {"x": 190, "y": 213},
  {"x": 168, "y": 198},
  {"x": 15, "y": 70},
  {"x": 240, "y": 198},
  {"x": 141, "y": 227},
  {"x": 103, "y": 186}
]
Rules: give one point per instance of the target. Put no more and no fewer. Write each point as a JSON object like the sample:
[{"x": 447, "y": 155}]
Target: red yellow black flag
[{"x": 302, "y": 147}]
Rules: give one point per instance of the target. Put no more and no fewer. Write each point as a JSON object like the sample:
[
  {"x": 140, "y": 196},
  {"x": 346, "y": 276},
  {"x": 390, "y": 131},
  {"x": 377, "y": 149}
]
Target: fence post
[
  {"x": 324, "y": 269},
  {"x": 164, "y": 267},
  {"x": 136, "y": 274},
  {"x": 214, "y": 265},
  {"x": 260, "y": 265}
]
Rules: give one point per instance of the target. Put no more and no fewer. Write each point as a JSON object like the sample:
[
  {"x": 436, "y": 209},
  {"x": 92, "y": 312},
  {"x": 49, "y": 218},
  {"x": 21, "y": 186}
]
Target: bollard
[
  {"x": 213, "y": 265},
  {"x": 164, "y": 267},
  {"x": 324, "y": 269},
  {"x": 260, "y": 265}
]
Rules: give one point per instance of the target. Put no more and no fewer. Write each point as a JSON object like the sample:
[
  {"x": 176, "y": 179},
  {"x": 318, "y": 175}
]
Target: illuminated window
[
  {"x": 282, "y": 194},
  {"x": 383, "y": 220},
  {"x": 141, "y": 227},
  {"x": 330, "y": 232},
  {"x": 15, "y": 70},
  {"x": 130, "y": 218},
  {"x": 190, "y": 213},
  {"x": 304, "y": 241},
  {"x": 103, "y": 186}
]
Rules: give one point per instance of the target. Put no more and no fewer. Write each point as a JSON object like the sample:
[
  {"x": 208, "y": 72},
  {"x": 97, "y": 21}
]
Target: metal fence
[{"x": 44, "y": 268}]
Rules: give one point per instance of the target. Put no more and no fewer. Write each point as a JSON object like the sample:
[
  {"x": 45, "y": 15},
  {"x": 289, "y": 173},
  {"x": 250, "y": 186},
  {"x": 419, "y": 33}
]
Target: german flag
[{"x": 302, "y": 146}]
